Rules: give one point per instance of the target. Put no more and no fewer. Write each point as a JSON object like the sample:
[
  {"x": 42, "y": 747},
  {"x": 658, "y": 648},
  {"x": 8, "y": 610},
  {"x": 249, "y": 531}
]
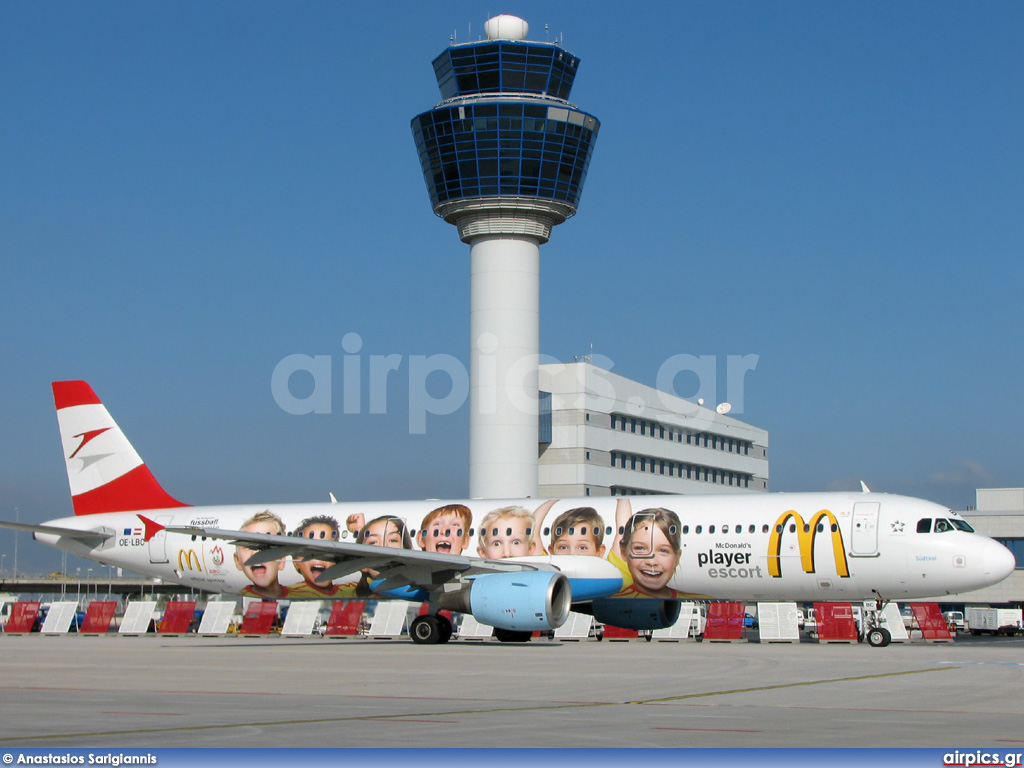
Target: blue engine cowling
[
  {"x": 636, "y": 613},
  {"x": 524, "y": 601}
]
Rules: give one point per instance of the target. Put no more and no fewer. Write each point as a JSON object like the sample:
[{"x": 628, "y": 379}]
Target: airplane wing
[
  {"x": 89, "y": 538},
  {"x": 397, "y": 568}
]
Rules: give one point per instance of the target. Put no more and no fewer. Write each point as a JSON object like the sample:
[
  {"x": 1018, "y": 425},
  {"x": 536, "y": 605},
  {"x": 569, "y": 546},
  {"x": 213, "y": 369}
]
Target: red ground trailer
[
  {"x": 259, "y": 618},
  {"x": 98, "y": 617},
  {"x": 345, "y": 618},
  {"x": 835, "y": 622},
  {"x": 177, "y": 617},
  {"x": 930, "y": 620},
  {"x": 725, "y": 621},
  {"x": 23, "y": 616},
  {"x": 618, "y": 633}
]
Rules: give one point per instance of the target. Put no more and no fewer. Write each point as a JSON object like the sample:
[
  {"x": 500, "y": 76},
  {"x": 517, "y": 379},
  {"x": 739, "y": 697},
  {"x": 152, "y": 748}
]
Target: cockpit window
[
  {"x": 924, "y": 526},
  {"x": 942, "y": 526},
  {"x": 961, "y": 525}
]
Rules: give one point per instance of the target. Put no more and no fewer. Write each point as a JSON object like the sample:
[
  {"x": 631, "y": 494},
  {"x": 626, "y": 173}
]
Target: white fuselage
[{"x": 830, "y": 547}]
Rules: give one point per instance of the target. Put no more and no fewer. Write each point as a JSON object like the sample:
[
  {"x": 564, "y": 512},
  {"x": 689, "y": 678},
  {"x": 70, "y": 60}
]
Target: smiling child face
[{"x": 651, "y": 558}]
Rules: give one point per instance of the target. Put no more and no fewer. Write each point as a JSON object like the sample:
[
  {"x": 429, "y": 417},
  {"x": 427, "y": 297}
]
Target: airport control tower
[{"x": 504, "y": 155}]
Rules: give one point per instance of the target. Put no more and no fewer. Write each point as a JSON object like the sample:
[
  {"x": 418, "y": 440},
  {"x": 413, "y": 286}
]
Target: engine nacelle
[
  {"x": 522, "y": 601},
  {"x": 636, "y": 613}
]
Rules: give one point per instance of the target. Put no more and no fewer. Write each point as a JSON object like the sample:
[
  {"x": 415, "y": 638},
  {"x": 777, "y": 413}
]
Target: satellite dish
[{"x": 724, "y": 408}]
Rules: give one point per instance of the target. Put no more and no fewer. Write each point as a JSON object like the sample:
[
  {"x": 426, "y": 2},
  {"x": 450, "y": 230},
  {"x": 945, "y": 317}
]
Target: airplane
[{"x": 519, "y": 565}]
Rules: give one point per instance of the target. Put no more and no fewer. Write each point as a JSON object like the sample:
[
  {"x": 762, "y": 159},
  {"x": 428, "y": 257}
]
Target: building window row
[
  {"x": 623, "y": 490},
  {"x": 680, "y": 469},
  {"x": 648, "y": 428},
  {"x": 1015, "y": 545}
]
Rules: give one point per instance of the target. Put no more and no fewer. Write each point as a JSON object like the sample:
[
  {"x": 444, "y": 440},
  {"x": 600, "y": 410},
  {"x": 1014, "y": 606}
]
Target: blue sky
[{"x": 190, "y": 192}]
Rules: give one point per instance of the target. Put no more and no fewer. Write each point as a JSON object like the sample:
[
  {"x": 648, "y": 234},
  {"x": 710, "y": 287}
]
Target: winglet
[
  {"x": 152, "y": 527},
  {"x": 864, "y": 487}
]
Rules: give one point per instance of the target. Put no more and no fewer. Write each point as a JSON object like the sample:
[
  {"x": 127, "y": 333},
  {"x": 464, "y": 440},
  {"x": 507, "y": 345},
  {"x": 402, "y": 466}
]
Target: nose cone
[{"x": 999, "y": 561}]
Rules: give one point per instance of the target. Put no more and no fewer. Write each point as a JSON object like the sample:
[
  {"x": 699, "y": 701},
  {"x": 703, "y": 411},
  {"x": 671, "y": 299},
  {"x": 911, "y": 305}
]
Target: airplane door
[
  {"x": 158, "y": 544},
  {"x": 865, "y": 528},
  {"x": 641, "y": 542}
]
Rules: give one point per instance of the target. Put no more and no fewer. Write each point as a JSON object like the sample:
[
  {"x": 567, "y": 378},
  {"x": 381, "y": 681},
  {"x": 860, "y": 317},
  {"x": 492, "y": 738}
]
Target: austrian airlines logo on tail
[{"x": 86, "y": 438}]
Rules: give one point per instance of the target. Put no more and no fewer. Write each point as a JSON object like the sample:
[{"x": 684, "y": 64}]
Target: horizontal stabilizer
[{"x": 89, "y": 538}]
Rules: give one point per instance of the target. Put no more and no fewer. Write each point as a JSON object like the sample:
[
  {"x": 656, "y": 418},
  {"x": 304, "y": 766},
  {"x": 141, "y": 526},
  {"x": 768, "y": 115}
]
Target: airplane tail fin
[{"x": 104, "y": 471}]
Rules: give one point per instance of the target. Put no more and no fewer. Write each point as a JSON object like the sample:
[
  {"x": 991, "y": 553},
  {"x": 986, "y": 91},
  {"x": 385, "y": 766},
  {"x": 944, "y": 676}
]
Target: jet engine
[{"x": 522, "y": 601}]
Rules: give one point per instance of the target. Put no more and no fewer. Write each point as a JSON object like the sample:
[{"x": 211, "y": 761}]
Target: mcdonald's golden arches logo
[
  {"x": 806, "y": 532},
  {"x": 188, "y": 560}
]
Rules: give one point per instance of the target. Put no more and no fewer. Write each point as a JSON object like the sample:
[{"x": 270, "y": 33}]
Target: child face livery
[
  {"x": 511, "y": 539},
  {"x": 264, "y": 575},
  {"x": 311, "y": 569},
  {"x": 383, "y": 533},
  {"x": 579, "y": 540},
  {"x": 652, "y": 561},
  {"x": 446, "y": 534}
]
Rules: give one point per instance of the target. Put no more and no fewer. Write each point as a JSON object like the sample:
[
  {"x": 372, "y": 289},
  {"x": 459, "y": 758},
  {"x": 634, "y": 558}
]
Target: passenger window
[
  {"x": 711, "y": 529},
  {"x": 924, "y": 526},
  {"x": 686, "y": 529},
  {"x": 725, "y": 529},
  {"x": 753, "y": 529},
  {"x": 697, "y": 529},
  {"x": 764, "y": 528}
]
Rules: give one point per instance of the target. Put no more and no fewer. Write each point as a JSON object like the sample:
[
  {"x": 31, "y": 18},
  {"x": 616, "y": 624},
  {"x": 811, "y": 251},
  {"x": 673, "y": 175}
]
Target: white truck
[{"x": 995, "y": 621}]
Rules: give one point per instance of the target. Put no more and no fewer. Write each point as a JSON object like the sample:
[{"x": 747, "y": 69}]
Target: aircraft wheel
[
  {"x": 426, "y": 630},
  {"x": 511, "y": 636},
  {"x": 879, "y": 637},
  {"x": 446, "y": 629}
]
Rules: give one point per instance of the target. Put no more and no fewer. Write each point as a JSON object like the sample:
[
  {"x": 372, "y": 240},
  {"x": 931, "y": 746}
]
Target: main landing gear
[{"x": 430, "y": 629}]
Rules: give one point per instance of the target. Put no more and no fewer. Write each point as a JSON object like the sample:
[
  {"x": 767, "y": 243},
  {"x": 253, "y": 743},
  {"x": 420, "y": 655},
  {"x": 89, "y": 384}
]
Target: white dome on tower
[{"x": 506, "y": 27}]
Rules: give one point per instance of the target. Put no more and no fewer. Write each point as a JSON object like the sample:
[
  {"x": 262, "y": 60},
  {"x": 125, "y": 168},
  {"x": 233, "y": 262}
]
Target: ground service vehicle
[
  {"x": 995, "y": 621},
  {"x": 955, "y": 620}
]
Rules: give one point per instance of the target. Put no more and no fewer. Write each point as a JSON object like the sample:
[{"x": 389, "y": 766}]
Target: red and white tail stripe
[{"x": 104, "y": 471}]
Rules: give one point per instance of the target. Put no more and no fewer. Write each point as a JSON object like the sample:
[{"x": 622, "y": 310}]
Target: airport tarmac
[{"x": 150, "y": 691}]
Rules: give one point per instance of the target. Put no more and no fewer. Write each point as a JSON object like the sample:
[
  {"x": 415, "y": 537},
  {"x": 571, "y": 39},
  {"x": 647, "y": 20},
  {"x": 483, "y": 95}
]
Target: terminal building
[{"x": 602, "y": 434}]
